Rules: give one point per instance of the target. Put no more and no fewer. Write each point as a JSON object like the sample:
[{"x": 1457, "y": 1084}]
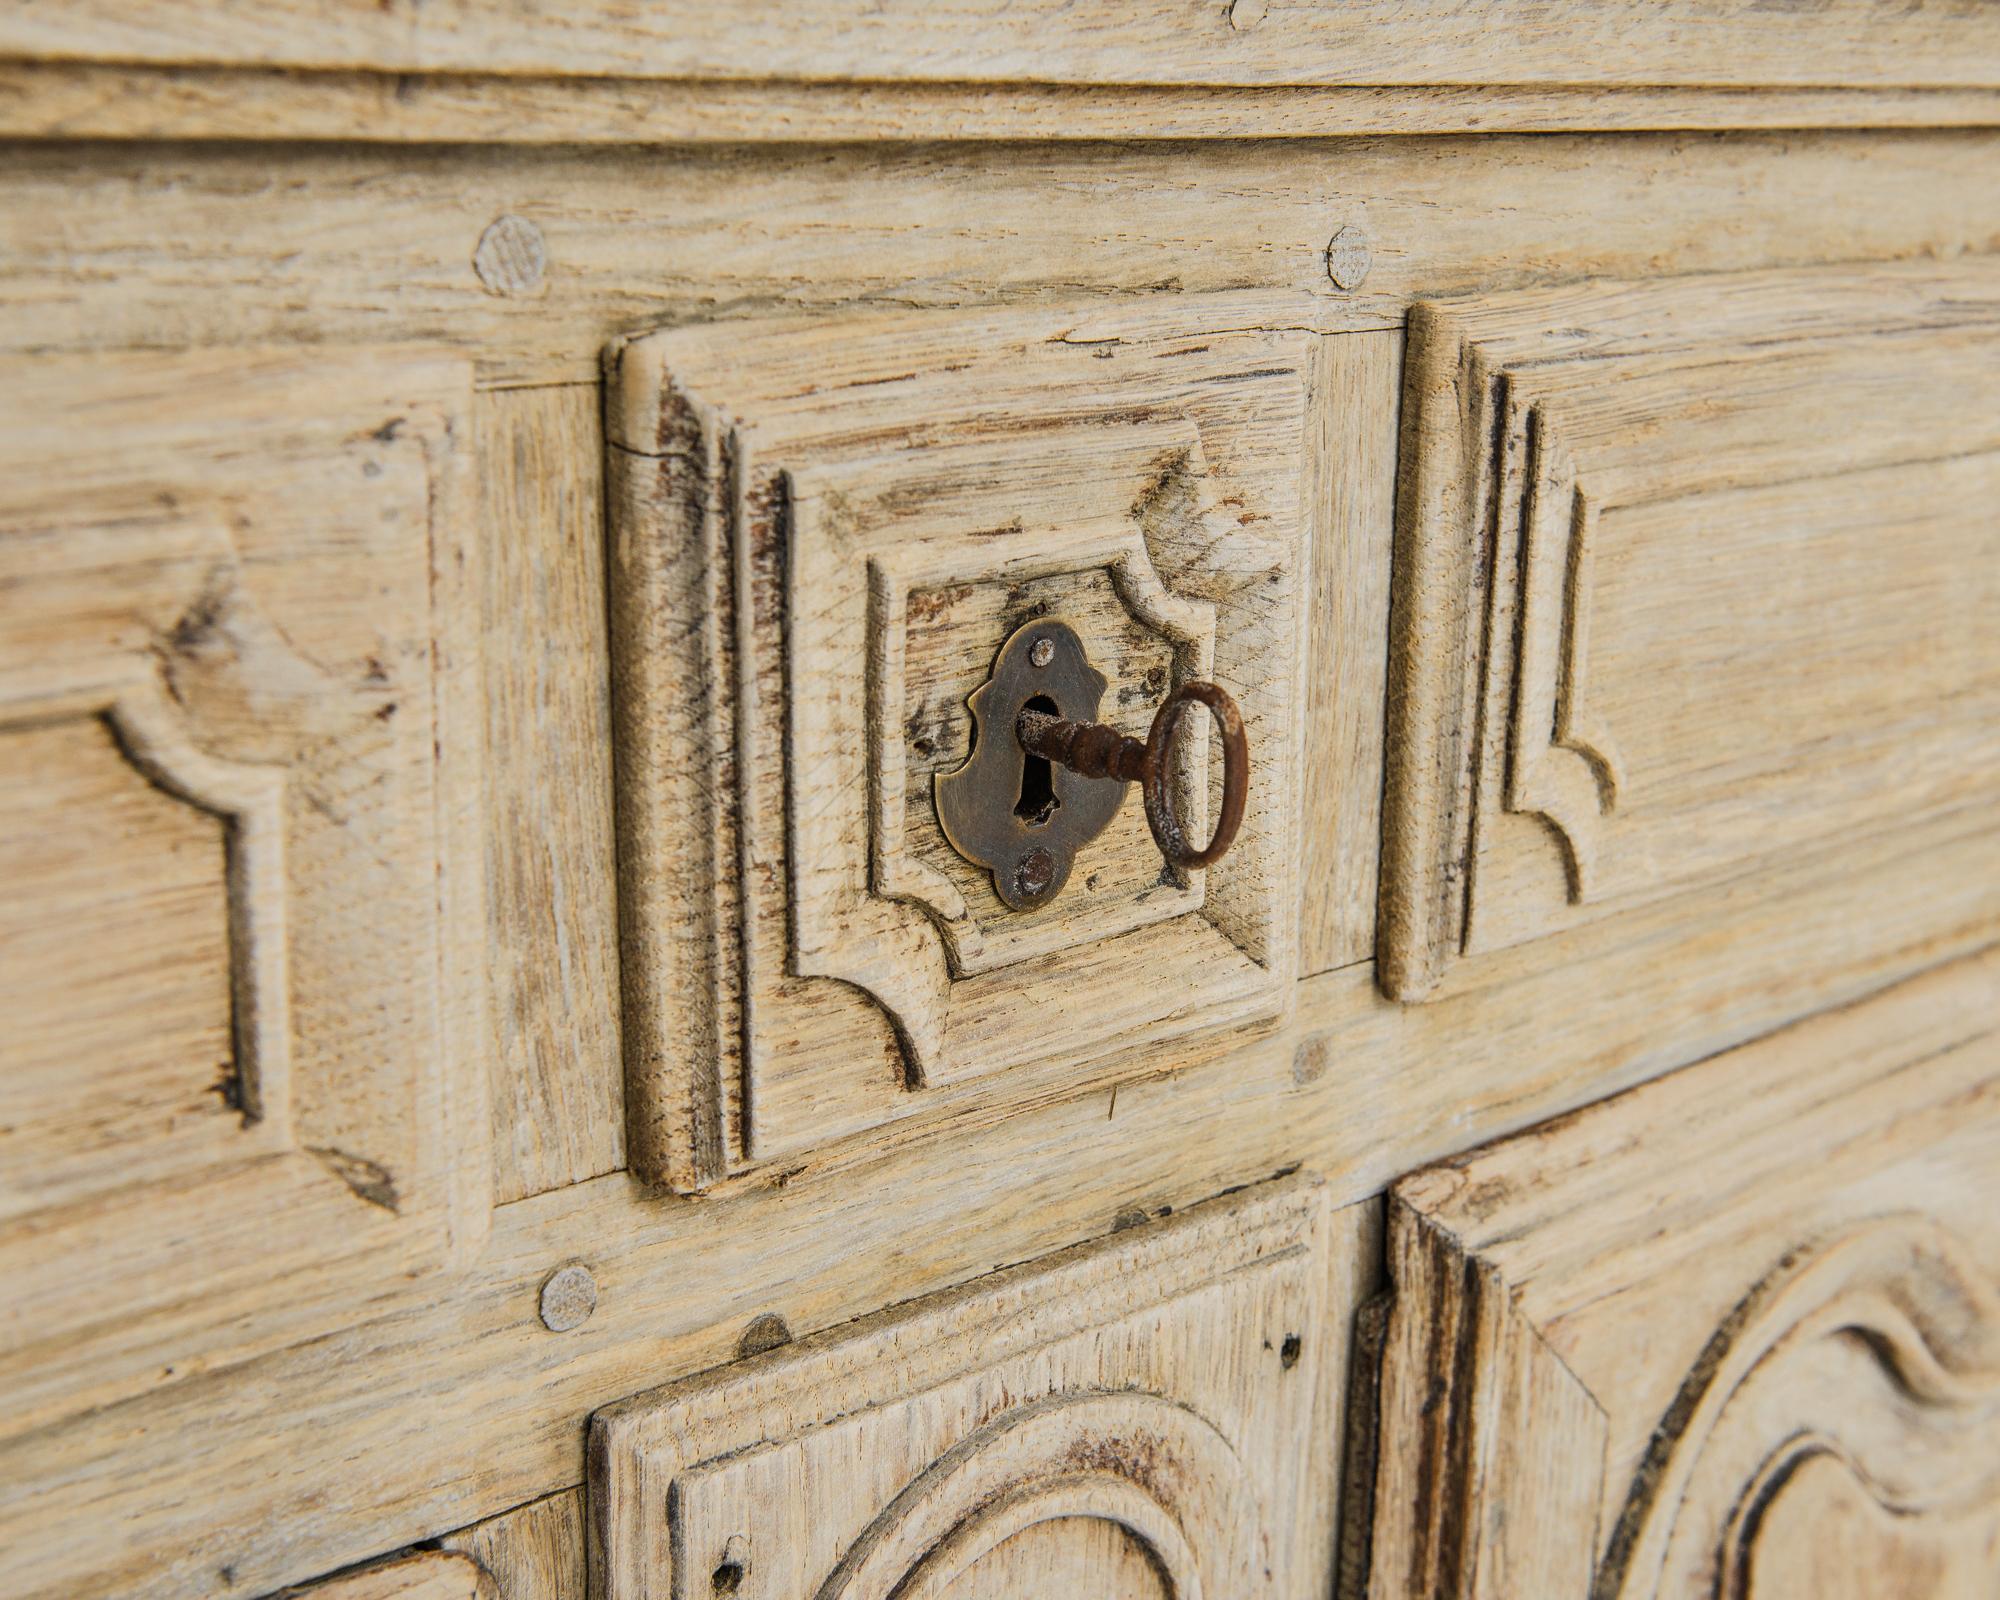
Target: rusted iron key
[{"x": 1093, "y": 750}]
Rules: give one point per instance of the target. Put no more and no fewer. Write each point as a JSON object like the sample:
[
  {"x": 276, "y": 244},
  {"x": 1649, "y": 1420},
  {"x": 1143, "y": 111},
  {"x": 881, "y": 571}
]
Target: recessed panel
[
  {"x": 1158, "y": 1409},
  {"x": 1694, "y": 577},
  {"x": 810, "y": 580},
  {"x": 230, "y": 868}
]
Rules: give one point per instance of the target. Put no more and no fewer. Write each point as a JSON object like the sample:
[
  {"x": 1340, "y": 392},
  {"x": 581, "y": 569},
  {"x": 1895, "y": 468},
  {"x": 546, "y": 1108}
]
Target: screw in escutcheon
[{"x": 1035, "y": 874}]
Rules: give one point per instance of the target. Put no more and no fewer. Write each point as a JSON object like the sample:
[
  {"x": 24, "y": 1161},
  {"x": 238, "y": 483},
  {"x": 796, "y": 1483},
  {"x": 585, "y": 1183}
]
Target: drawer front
[
  {"x": 1694, "y": 577},
  {"x": 239, "y": 1072},
  {"x": 1693, "y": 1342}
]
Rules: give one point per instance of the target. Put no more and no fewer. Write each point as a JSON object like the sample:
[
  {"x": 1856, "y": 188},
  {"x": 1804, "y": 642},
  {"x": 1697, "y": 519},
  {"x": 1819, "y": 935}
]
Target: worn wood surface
[
  {"x": 1171, "y": 1380},
  {"x": 1849, "y": 42},
  {"x": 433, "y": 1575},
  {"x": 856, "y": 548},
  {"x": 558, "y": 1096},
  {"x": 1629, "y": 1347},
  {"x": 1358, "y": 381},
  {"x": 81, "y": 100},
  {"x": 534, "y": 1552},
  {"x": 1662, "y": 610},
  {"x": 378, "y": 1410},
  {"x": 1358, "y": 1087},
  {"x": 197, "y": 246},
  {"x": 233, "y": 668}
]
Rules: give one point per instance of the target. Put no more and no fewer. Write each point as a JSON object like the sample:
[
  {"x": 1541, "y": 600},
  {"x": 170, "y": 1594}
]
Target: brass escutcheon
[{"x": 1023, "y": 806}]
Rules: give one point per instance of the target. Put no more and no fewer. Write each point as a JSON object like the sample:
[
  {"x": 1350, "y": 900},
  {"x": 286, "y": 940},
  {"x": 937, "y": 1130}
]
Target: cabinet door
[
  {"x": 1151, "y": 1416},
  {"x": 1734, "y": 1335}
]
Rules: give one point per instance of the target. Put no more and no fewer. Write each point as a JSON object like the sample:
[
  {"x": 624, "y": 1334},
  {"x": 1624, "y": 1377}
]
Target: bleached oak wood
[
  {"x": 365, "y": 245},
  {"x": 431, "y": 1576},
  {"x": 558, "y": 1085},
  {"x": 534, "y": 1552},
  {"x": 1662, "y": 609},
  {"x": 809, "y": 578},
  {"x": 304, "y": 1441},
  {"x": 419, "y": 1393},
  {"x": 1358, "y": 380},
  {"x": 1171, "y": 1381},
  {"x": 1628, "y": 1346},
  {"x": 232, "y": 600},
  {"x": 1051, "y": 41},
  {"x": 78, "y": 100}
]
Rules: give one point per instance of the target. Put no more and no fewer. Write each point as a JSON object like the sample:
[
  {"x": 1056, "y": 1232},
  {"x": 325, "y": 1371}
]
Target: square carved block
[
  {"x": 1694, "y": 577},
  {"x": 1152, "y": 1415},
  {"x": 239, "y": 1080},
  {"x": 823, "y": 534}
]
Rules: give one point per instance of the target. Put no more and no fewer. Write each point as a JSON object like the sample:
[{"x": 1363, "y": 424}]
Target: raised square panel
[
  {"x": 1692, "y": 576},
  {"x": 823, "y": 534},
  {"x": 1152, "y": 1415},
  {"x": 239, "y": 1027},
  {"x": 1735, "y": 1333}
]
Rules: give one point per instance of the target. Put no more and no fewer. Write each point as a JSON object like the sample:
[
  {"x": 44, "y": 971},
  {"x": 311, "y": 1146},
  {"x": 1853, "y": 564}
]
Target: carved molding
[
  {"x": 1900, "y": 1294},
  {"x": 1564, "y": 767},
  {"x": 1669, "y": 450},
  {"x": 1675, "y": 1341},
  {"x": 789, "y": 912},
  {"x": 151, "y": 570},
  {"x": 854, "y": 928},
  {"x": 1171, "y": 1380},
  {"x": 1159, "y": 1471},
  {"x": 251, "y": 583}
]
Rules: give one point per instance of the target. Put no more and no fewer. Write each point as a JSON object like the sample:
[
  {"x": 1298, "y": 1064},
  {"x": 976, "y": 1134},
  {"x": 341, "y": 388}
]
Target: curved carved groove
[
  {"x": 154, "y": 599},
  {"x": 1150, "y": 1465},
  {"x": 1096, "y": 1495},
  {"x": 911, "y": 985},
  {"x": 1564, "y": 768},
  {"x": 251, "y": 801},
  {"x": 1894, "y": 1304},
  {"x": 1814, "y": 1522}
]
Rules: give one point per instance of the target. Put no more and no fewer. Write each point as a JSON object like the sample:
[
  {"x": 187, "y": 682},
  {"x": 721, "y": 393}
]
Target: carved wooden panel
[
  {"x": 1691, "y": 575},
  {"x": 239, "y": 1037},
  {"x": 1150, "y": 1415},
  {"x": 823, "y": 533},
  {"x": 1734, "y": 1333}
]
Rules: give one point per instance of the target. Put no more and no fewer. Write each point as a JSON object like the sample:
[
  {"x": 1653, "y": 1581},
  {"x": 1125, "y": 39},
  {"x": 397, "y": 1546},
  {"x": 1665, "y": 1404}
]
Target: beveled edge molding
[
  {"x": 689, "y": 705},
  {"x": 1486, "y": 480}
]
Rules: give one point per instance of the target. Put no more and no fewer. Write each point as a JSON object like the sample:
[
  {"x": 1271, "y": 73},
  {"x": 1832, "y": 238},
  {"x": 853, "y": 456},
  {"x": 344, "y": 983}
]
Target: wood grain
[
  {"x": 1359, "y": 378},
  {"x": 1628, "y": 1346},
  {"x": 1176, "y": 42},
  {"x": 534, "y": 1552},
  {"x": 232, "y": 587},
  {"x": 419, "y": 1393},
  {"x": 1169, "y": 1380},
  {"x": 558, "y": 1090},
  {"x": 289, "y": 1415},
  {"x": 121, "y": 1066},
  {"x": 1630, "y": 518},
  {"x": 805, "y": 587},
  {"x": 358, "y": 245},
  {"x": 79, "y": 100},
  {"x": 430, "y": 1576}
]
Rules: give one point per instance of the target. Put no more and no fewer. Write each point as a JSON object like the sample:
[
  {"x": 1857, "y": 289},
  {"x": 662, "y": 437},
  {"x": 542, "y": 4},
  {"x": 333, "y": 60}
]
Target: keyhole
[{"x": 1038, "y": 800}]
